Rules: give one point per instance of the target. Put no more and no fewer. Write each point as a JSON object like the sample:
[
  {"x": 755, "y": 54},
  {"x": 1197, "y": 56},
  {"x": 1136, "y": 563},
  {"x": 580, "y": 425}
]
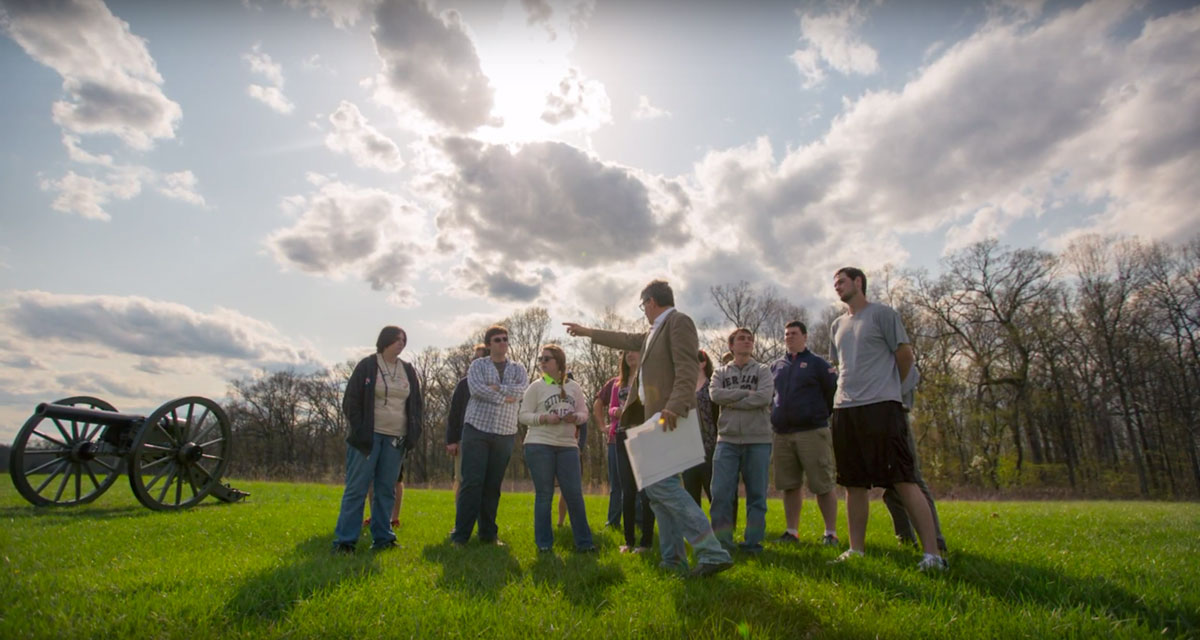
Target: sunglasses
[
  {"x": 545, "y": 358},
  {"x": 499, "y": 339}
]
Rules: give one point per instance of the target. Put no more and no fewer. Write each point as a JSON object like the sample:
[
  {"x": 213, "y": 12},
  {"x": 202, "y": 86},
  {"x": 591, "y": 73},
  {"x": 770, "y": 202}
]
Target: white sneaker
[
  {"x": 933, "y": 563},
  {"x": 848, "y": 554}
]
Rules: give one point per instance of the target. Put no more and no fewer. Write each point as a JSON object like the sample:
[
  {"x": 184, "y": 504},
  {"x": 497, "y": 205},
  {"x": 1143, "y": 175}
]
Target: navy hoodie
[{"x": 804, "y": 386}]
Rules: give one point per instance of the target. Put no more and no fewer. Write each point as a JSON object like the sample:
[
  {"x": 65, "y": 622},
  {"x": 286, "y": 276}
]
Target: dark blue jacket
[{"x": 804, "y": 386}]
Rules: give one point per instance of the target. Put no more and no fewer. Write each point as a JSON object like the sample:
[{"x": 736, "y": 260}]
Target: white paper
[{"x": 655, "y": 454}]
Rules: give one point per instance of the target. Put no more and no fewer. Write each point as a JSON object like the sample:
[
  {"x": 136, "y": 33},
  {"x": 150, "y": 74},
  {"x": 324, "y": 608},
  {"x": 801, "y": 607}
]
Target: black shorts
[{"x": 870, "y": 445}]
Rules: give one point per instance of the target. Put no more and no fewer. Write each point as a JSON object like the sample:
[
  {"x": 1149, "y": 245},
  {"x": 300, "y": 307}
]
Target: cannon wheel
[
  {"x": 180, "y": 453},
  {"x": 79, "y": 464}
]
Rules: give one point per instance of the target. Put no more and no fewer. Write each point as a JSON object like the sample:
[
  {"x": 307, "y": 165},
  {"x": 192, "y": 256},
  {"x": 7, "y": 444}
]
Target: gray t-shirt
[{"x": 864, "y": 348}]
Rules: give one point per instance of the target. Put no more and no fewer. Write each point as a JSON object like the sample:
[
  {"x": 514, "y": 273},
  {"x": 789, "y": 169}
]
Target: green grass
[{"x": 262, "y": 568}]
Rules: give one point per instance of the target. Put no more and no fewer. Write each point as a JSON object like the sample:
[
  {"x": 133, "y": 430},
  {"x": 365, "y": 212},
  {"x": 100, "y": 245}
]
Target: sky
[{"x": 193, "y": 192}]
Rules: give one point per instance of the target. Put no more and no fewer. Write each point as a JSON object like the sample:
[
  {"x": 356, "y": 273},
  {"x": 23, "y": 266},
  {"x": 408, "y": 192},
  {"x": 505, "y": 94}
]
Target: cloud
[
  {"x": 343, "y": 13},
  {"x": 830, "y": 41},
  {"x": 345, "y": 230},
  {"x": 77, "y": 154},
  {"x": 647, "y": 111},
  {"x": 87, "y": 196},
  {"x": 181, "y": 185},
  {"x": 365, "y": 145},
  {"x": 550, "y": 203},
  {"x": 110, "y": 79},
  {"x": 1000, "y": 126},
  {"x": 271, "y": 95},
  {"x": 150, "y": 328},
  {"x": 95, "y": 383},
  {"x": 430, "y": 61},
  {"x": 577, "y": 100}
]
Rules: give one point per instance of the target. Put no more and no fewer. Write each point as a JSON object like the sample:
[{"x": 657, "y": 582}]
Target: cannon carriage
[{"x": 72, "y": 450}]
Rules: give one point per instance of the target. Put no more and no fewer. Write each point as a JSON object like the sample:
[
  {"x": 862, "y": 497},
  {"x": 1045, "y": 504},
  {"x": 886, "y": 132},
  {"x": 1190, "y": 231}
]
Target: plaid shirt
[{"x": 487, "y": 410}]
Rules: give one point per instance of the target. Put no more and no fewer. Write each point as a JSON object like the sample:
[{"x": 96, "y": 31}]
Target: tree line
[{"x": 1077, "y": 372}]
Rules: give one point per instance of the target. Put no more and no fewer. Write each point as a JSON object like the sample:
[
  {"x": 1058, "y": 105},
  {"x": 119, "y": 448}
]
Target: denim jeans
[
  {"x": 680, "y": 519},
  {"x": 380, "y": 467},
  {"x": 635, "y": 506},
  {"x": 546, "y": 464},
  {"x": 484, "y": 460},
  {"x": 614, "y": 488},
  {"x": 751, "y": 461}
]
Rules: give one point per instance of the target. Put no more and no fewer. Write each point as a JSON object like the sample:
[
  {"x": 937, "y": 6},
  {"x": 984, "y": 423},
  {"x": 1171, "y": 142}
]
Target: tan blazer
[{"x": 670, "y": 364}]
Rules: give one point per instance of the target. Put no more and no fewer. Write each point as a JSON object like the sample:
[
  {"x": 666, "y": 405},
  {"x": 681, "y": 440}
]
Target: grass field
[{"x": 262, "y": 568}]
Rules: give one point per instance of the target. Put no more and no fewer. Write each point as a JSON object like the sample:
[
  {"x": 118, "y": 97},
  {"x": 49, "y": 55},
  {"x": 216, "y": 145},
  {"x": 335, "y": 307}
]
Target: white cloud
[
  {"x": 181, "y": 185},
  {"x": 153, "y": 328},
  {"x": 577, "y": 101},
  {"x": 87, "y": 196},
  {"x": 272, "y": 94},
  {"x": 1000, "y": 126},
  {"x": 346, "y": 230},
  {"x": 111, "y": 82},
  {"x": 366, "y": 146},
  {"x": 831, "y": 40},
  {"x": 77, "y": 154},
  {"x": 647, "y": 111},
  {"x": 430, "y": 62}
]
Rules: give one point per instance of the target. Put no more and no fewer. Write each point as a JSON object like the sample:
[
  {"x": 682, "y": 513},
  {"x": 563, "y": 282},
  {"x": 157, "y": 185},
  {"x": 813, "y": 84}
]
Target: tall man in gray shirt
[{"x": 870, "y": 433}]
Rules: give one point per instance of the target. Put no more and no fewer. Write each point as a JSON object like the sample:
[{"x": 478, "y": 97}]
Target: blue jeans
[
  {"x": 680, "y": 519},
  {"x": 614, "y": 488},
  {"x": 484, "y": 460},
  {"x": 381, "y": 467},
  {"x": 752, "y": 462},
  {"x": 547, "y": 463}
]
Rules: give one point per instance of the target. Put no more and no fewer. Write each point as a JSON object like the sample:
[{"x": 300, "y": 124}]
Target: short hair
[
  {"x": 852, "y": 273},
  {"x": 660, "y": 292},
  {"x": 492, "y": 332},
  {"x": 799, "y": 325},
  {"x": 736, "y": 332},
  {"x": 706, "y": 364},
  {"x": 484, "y": 348},
  {"x": 387, "y": 336}
]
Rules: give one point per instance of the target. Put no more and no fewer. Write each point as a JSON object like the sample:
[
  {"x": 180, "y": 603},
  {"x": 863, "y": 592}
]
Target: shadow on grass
[
  {"x": 581, "y": 578},
  {"x": 740, "y": 605},
  {"x": 480, "y": 570},
  {"x": 59, "y": 514},
  {"x": 308, "y": 569}
]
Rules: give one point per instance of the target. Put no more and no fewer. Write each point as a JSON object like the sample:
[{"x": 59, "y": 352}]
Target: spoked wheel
[
  {"x": 62, "y": 462},
  {"x": 179, "y": 454}
]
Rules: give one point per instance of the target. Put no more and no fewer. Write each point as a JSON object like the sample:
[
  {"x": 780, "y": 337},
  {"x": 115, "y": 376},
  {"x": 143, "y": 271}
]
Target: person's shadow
[
  {"x": 580, "y": 578},
  {"x": 271, "y": 594},
  {"x": 480, "y": 570}
]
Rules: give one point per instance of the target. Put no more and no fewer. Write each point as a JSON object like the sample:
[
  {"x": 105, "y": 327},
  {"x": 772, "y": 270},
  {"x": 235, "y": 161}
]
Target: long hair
[
  {"x": 706, "y": 364},
  {"x": 560, "y": 357},
  {"x": 387, "y": 336},
  {"x": 626, "y": 370}
]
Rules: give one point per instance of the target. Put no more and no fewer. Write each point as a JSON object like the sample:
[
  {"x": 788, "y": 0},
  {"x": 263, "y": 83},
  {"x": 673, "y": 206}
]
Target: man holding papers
[{"x": 666, "y": 385}]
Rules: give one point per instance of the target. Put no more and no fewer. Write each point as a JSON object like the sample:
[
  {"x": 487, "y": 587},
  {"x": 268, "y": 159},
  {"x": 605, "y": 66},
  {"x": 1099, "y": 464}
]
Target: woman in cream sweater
[{"x": 552, "y": 408}]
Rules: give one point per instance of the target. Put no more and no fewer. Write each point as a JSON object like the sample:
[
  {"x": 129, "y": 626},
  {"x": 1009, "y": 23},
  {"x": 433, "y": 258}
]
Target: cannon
[{"x": 72, "y": 450}]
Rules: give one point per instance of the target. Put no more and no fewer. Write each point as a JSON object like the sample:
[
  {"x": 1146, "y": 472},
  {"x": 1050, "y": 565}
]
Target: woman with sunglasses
[{"x": 552, "y": 408}]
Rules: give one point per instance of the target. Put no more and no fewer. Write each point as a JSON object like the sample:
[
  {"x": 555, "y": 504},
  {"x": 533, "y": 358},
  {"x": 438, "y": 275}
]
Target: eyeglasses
[
  {"x": 545, "y": 358},
  {"x": 499, "y": 339},
  {"x": 642, "y": 306}
]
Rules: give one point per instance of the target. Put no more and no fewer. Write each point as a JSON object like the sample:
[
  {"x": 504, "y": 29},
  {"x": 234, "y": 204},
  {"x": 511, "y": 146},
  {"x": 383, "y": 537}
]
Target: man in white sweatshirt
[{"x": 743, "y": 388}]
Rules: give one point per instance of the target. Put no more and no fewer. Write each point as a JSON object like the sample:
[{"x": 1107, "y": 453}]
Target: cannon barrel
[{"x": 94, "y": 416}]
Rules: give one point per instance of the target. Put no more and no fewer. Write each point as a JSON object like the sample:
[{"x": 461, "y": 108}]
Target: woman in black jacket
[{"x": 383, "y": 405}]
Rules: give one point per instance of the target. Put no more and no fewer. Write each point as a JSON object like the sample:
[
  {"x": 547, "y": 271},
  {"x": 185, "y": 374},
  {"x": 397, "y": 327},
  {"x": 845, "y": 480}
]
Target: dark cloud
[
  {"x": 552, "y": 204},
  {"x": 431, "y": 60},
  {"x": 150, "y": 328}
]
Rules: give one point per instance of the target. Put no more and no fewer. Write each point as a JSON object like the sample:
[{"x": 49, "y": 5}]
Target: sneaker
[
  {"x": 494, "y": 541},
  {"x": 640, "y": 549},
  {"x": 830, "y": 540},
  {"x": 848, "y": 554},
  {"x": 706, "y": 569},
  {"x": 386, "y": 546},
  {"x": 746, "y": 547},
  {"x": 591, "y": 549},
  {"x": 545, "y": 549},
  {"x": 787, "y": 538},
  {"x": 626, "y": 549},
  {"x": 932, "y": 563},
  {"x": 458, "y": 544},
  {"x": 343, "y": 549}
]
